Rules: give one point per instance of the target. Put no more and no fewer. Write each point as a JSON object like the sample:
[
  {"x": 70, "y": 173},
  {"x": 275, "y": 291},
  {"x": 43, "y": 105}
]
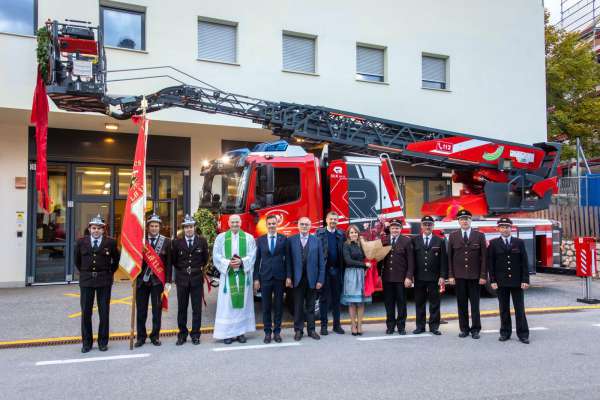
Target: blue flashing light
[{"x": 277, "y": 146}]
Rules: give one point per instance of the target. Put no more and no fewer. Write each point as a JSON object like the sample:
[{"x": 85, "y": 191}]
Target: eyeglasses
[{"x": 303, "y": 224}]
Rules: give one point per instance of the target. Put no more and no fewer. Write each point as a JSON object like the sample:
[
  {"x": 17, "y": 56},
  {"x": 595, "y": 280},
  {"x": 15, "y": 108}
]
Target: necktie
[
  {"x": 303, "y": 239},
  {"x": 393, "y": 241},
  {"x": 95, "y": 244},
  {"x": 190, "y": 243},
  {"x": 153, "y": 242},
  {"x": 272, "y": 244},
  {"x": 465, "y": 237},
  {"x": 506, "y": 242},
  {"x": 427, "y": 242}
]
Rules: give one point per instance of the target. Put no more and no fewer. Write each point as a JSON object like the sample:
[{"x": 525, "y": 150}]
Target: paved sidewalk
[{"x": 53, "y": 311}]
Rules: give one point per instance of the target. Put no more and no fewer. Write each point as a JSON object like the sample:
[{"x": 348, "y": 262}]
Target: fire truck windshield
[{"x": 225, "y": 190}]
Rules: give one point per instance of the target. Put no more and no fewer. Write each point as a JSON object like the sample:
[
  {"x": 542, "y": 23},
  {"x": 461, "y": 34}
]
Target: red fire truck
[{"x": 326, "y": 159}]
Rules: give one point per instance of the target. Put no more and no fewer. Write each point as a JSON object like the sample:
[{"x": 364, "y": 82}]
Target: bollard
[{"x": 587, "y": 266}]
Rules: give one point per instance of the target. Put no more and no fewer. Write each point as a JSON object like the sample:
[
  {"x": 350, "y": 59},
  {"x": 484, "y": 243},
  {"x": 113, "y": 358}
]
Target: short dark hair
[
  {"x": 272, "y": 216},
  {"x": 332, "y": 214}
]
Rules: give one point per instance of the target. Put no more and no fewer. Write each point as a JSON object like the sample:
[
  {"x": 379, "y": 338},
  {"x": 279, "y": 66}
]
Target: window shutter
[
  {"x": 298, "y": 53},
  {"x": 217, "y": 41},
  {"x": 434, "y": 69},
  {"x": 369, "y": 61}
]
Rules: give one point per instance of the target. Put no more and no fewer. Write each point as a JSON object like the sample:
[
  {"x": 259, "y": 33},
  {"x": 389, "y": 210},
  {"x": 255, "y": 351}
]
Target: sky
[{"x": 554, "y": 7}]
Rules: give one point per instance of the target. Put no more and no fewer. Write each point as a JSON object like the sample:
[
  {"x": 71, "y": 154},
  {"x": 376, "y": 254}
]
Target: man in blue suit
[
  {"x": 269, "y": 276},
  {"x": 306, "y": 274}
]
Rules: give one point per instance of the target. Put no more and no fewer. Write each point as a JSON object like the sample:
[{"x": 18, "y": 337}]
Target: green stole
[{"x": 238, "y": 291}]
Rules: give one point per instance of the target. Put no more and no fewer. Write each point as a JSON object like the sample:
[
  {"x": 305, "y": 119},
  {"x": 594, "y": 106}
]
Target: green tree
[{"x": 573, "y": 99}]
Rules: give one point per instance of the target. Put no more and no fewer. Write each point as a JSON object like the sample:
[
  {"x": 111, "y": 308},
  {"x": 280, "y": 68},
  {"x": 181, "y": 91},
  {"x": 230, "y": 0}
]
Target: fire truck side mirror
[{"x": 505, "y": 164}]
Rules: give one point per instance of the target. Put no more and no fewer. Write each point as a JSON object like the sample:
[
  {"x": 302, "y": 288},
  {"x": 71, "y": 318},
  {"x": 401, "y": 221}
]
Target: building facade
[{"x": 468, "y": 66}]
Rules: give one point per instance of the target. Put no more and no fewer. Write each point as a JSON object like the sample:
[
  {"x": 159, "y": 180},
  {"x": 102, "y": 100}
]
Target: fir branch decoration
[{"x": 43, "y": 51}]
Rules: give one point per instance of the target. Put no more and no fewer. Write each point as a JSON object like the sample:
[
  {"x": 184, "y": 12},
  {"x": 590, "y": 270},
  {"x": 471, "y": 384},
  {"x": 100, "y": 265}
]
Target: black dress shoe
[
  {"x": 503, "y": 338},
  {"x": 524, "y": 340},
  {"x": 102, "y": 347},
  {"x": 228, "y": 341},
  {"x": 298, "y": 335},
  {"x": 389, "y": 331},
  {"x": 418, "y": 331},
  {"x": 436, "y": 332},
  {"x": 241, "y": 339},
  {"x": 156, "y": 342},
  {"x": 359, "y": 333},
  {"x": 180, "y": 341},
  {"x": 267, "y": 338},
  {"x": 475, "y": 335},
  {"x": 324, "y": 331},
  {"x": 196, "y": 341},
  {"x": 139, "y": 343},
  {"x": 277, "y": 338},
  {"x": 314, "y": 335},
  {"x": 339, "y": 330},
  {"x": 85, "y": 349},
  {"x": 354, "y": 333},
  {"x": 401, "y": 332},
  {"x": 463, "y": 334}
]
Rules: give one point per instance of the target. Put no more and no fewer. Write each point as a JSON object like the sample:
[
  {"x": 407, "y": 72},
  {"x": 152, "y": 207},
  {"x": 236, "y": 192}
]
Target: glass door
[{"x": 50, "y": 237}]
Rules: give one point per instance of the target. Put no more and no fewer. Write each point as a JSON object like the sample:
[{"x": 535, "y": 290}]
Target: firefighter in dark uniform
[
  {"x": 189, "y": 256},
  {"x": 431, "y": 271},
  {"x": 397, "y": 275},
  {"x": 467, "y": 253},
  {"x": 96, "y": 259},
  {"x": 509, "y": 275},
  {"x": 149, "y": 286}
]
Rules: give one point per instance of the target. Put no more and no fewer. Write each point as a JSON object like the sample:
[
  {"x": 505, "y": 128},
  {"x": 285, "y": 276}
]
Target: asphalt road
[
  {"x": 53, "y": 311},
  {"x": 560, "y": 363}
]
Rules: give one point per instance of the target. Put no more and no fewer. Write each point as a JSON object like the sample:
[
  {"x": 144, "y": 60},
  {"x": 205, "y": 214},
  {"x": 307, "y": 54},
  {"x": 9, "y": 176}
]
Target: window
[
  {"x": 370, "y": 63},
  {"x": 123, "y": 28},
  {"x": 299, "y": 53},
  {"x": 287, "y": 187},
  {"x": 18, "y": 16},
  {"x": 217, "y": 41},
  {"x": 434, "y": 72}
]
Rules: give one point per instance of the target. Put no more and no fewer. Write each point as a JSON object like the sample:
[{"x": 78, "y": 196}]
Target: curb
[{"x": 55, "y": 341}]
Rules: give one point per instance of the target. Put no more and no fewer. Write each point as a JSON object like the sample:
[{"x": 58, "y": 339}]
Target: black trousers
[
  {"x": 394, "y": 297},
  {"x": 504, "y": 295},
  {"x": 427, "y": 292},
  {"x": 272, "y": 299},
  {"x": 329, "y": 299},
  {"x": 184, "y": 293},
  {"x": 142, "y": 295},
  {"x": 468, "y": 291},
  {"x": 304, "y": 306},
  {"x": 102, "y": 295}
]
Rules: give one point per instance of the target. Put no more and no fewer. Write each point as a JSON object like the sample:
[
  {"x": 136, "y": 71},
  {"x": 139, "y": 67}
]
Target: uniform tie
[
  {"x": 153, "y": 242},
  {"x": 465, "y": 237},
  {"x": 394, "y": 241},
  {"x": 506, "y": 242},
  {"x": 272, "y": 244},
  {"x": 427, "y": 241},
  {"x": 95, "y": 244},
  {"x": 190, "y": 243}
]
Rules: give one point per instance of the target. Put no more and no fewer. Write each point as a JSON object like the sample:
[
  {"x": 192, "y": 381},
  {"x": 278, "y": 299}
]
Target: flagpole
[{"x": 133, "y": 283}]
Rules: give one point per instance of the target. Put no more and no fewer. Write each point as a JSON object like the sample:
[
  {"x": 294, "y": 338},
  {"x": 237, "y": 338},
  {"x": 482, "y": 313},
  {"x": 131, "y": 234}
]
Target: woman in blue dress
[{"x": 354, "y": 279}]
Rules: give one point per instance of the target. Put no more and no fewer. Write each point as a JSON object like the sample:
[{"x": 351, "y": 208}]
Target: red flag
[
  {"x": 132, "y": 231},
  {"x": 39, "y": 117}
]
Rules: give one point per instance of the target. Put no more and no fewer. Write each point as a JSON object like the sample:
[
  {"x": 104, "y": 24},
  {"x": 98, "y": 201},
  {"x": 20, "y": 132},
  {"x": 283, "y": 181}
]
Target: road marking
[
  {"x": 537, "y": 328},
  {"x": 389, "y": 337},
  {"x": 91, "y": 359},
  {"x": 255, "y": 347},
  {"x": 124, "y": 300}
]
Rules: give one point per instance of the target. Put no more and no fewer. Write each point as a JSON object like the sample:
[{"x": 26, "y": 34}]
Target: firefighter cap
[
  {"x": 396, "y": 222},
  {"x": 154, "y": 218},
  {"x": 97, "y": 220},
  {"x": 504, "y": 221},
  {"x": 427, "y": 220},
  {"x": 464, "y": 214},
  {"x": 188, "y": 220}
]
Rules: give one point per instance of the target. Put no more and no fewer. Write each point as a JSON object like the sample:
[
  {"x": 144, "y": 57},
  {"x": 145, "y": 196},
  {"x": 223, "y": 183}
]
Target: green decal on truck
[{"x": 495, "y": 155}]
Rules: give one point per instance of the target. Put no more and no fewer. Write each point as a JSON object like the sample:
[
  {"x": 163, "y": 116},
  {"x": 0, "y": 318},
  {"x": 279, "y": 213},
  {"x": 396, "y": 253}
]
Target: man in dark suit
[
  {"x": 96, "y": 259},
  {"x": 467, "y": 270},
  {"x": 396, "y": 275},
  {"x": 431, "y": 271},
  {"x": 509, "y": 275},
  {"x": 149, "y": 286},
  {"x": 306, "y": 274},
  {"x": 269, "y": 276},
  {"x": 189, "y": 256},
  {"x": 332, "y": 242}
]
